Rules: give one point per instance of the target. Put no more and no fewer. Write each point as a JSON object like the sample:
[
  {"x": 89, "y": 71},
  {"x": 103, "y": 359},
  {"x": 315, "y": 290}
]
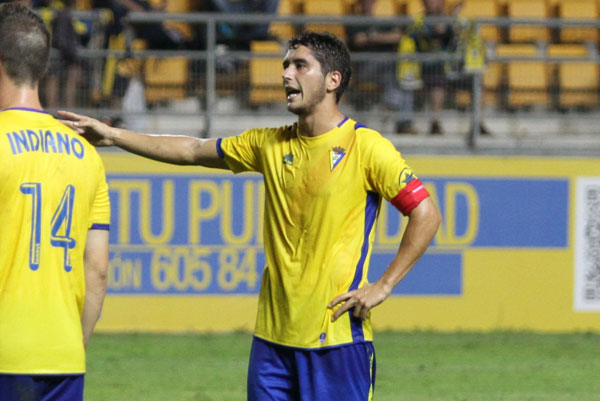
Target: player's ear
[{"x": 333, "y": 80}]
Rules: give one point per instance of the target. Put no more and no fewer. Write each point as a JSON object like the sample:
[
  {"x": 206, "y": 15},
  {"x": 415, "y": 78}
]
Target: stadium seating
[
  {"x": 326, "y": 7},
  {"x": 452, "y": 5},
  {"x": 284, "y": 30},
  {"x": 492, "y": 80},
  {"x": 527, "y": 80},
  {"x": 385, "y": 8},
  {"x": 483, "y": 9},
  {"x": 414, "y": 7},
  {"x": 165, "y": 78},
  {"x": 577, "y": 80},
  {"x": 531, "y": 9},
  {"x": 82, "y": 5},
  {"x": 578, "y": 9},
  {"x": 265, "y": 74},
  {"x": 349, "y": 6},
  {"x": 179, "y": 6}
]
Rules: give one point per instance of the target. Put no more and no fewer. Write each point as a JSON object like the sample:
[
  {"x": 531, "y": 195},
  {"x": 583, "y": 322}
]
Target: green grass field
[{"x": 411, "y": 366}]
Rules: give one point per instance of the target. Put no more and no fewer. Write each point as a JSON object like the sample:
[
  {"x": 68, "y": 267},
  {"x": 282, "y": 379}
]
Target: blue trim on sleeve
[
  {"x": 97, "y": 226},
  {"x": 370, "y": 216},
  {"x": 359, "y": 125},
  {"x": 219, "y": 150},
  {"x": 343, "y": 121}
]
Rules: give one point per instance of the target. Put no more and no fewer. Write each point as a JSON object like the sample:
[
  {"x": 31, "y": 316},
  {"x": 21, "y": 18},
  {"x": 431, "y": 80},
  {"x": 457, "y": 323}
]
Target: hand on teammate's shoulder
[{"x": 94, "y": 131}]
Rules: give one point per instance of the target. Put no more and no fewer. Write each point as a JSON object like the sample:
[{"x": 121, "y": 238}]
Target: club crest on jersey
[
  {"x": 336, "y": 155},
  {"x": 288, "y": 159},
  {"x": 406, "y": 176}
]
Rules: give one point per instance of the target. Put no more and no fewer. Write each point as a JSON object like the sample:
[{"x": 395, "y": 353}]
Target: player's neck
[
  {"x": 322, "y": 120},
  {"x": 12, "y": 95}
]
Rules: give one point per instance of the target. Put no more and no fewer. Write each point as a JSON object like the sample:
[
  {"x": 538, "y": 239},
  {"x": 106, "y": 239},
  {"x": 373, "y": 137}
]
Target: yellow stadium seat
[
  {"x": 531, "y": 9},
  {"x": 83, "y": 5},
  {"x": 284, "y": 30},
  {"x": 491, "y": 81},
  {"x": 385, "y": 8},
  {"x": 482, "y": 9},
  {"x": 451, "y": 5},
  {"x": 578, "y": 9},
  {"x": 179, "y": 6},
  {"x": 265, "y": 73},
  {"x": 326, "y": 7},
  {"x": 349, "y": 6},
  {"x": 414, "y": 7},
  {"x": 165, "y": 78},
  {"x": 527, "y": 80},
  {"x": 578, "y": 80}
]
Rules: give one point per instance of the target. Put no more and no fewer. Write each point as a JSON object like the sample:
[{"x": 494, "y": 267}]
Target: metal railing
[{"x": 210, "y": 57}]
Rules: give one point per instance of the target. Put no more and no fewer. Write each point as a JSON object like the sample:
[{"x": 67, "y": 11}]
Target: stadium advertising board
[{"x": 187, "y": 251}]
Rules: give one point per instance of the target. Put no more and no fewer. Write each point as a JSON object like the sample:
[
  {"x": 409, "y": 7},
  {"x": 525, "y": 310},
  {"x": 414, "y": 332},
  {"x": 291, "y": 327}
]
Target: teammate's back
[
  {"x": 52, "y": 190},
  {"x": 54, "y": 215}
]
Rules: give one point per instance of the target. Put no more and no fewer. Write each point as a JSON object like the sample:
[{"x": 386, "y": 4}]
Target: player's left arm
[
  {"x": 423, "y": 222},
  {"x": 95, "y": 261}
]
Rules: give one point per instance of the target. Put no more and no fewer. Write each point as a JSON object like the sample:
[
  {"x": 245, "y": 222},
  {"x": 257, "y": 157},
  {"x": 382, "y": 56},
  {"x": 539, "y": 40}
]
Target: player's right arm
[{"x": 165, "y": 148}]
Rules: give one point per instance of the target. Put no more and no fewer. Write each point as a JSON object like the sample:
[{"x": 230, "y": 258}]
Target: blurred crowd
[{"x": 109, "y": 81}]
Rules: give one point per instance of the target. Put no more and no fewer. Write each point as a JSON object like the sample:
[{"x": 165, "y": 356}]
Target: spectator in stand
[
  {"x": 380, "y": 38},
  {"x": 239, "y": 36},
  {"x": 433, "y": 39},
  {"x": 65, "y": 69},
  {"x": 155, "y": 34}
]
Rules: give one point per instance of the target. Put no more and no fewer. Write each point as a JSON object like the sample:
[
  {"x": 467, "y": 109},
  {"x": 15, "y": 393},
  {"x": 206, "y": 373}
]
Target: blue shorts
[
  {"x": 279, "y": 373},
  {"x": 41, "y": 387}
]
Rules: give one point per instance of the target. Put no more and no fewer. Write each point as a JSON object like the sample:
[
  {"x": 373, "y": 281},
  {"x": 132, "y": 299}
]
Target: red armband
[{"x": 410, "y": 196}]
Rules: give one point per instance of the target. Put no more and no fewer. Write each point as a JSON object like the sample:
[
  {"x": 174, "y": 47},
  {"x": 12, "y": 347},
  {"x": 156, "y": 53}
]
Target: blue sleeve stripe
[
  {"x": 100, "y": 227},
  {"x": 359, "y": 125},
  {"x": 372, "y": 204},
  {"x": 219, "y": 150}
]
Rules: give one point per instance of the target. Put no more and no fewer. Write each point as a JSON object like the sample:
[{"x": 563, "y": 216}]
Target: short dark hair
[
  {"x": 330, "y": 52},
  {"x": 24, "y": 43}
]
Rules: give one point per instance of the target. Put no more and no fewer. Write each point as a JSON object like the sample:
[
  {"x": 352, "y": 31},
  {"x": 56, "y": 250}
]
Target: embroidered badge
[
  {"x": 322, "y": 337},
  {"x": 406, "y": 176},
  {"x": 336, "y": 154},
  {"x": 288, "y": 159}
]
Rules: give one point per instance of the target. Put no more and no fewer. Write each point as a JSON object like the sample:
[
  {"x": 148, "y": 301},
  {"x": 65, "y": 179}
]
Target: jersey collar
[{"x": 25, "y": 109}]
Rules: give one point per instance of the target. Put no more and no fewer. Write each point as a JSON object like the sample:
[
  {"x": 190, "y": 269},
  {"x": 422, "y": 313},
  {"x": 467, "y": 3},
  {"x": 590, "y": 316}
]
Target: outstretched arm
[
  {"x": 423, "y": 222},
  {"x": 165, "y": 148}
]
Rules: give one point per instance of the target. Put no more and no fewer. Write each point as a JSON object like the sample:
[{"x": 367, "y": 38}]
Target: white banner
[{"x": 587, "y": 245}]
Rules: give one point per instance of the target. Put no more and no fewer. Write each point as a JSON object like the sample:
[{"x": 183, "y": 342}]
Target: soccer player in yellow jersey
[
  {"x": 54, "y": 214},
  {"x": 325, "y": 177}
]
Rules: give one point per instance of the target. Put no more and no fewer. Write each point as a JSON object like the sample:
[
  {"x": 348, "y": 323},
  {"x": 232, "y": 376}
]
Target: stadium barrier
[{"x": 552, "y": 87}]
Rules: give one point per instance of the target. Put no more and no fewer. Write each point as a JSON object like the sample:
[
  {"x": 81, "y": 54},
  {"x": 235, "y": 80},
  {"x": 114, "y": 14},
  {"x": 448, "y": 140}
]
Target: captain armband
[{"x": 410, "y": 196}]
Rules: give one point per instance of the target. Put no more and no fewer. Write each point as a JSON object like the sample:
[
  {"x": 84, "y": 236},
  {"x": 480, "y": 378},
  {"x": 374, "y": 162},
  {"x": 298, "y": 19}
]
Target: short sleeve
[
  {"x": 387, "y": 173},
  {"x": 242, "y": 152},
  {"x": 99, "y": 218}
]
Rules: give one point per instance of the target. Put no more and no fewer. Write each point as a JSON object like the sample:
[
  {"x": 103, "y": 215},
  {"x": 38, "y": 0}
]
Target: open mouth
[{"x": 291, "y": 93}]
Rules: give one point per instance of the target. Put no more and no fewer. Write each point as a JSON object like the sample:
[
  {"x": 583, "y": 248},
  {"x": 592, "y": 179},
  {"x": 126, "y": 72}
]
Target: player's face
[{"x": 303, "y": 81}]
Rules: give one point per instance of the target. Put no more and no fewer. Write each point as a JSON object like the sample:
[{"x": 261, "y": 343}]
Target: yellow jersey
[
  {"x": 52, "y": 191},
  {"x": 323, "y": 195}
]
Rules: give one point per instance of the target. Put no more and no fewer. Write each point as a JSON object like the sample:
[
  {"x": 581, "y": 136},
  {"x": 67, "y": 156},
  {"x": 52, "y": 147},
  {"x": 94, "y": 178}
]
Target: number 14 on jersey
[{"x": 60, "y": 225}]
